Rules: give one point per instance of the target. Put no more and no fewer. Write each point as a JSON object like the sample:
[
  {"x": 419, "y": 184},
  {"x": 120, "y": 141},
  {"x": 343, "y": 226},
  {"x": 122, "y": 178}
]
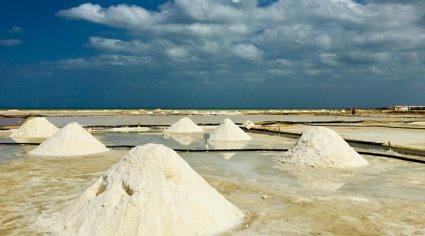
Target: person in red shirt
[{"x": 353, "y": 112}]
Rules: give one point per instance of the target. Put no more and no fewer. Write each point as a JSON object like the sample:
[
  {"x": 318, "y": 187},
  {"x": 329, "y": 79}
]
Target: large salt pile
[
  {"x": 38, "y": 127},
  {"x": 150, "y": 191},
  {"x": 322, "y": 147},
  {"x": 184, "y": 125},
  {"x": 228, "y": 131},
  {"x": 71, "y": 140}
]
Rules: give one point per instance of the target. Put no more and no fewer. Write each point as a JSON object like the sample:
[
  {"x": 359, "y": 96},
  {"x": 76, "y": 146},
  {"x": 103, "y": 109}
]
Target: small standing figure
[{"x": 353, "y": 112}]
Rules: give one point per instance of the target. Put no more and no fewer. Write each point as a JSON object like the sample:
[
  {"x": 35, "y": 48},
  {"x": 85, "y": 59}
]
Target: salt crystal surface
[
  {"x": 184, "y": 125},
  {"x": 38, "y": 127},
  {"x": 322, "y": 147},
  {"x": 71, "y": 140},
  {"x": 150, "y": 191},
  {"x": 228, "y": 131}
]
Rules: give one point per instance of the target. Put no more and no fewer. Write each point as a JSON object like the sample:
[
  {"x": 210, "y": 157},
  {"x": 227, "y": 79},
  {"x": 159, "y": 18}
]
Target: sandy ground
[{"x": 385, "y": 198}]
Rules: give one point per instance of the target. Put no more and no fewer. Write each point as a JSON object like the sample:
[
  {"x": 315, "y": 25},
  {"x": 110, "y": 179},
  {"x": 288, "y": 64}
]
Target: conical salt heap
[
  {"x": 228, "y": 131},
  {"x": 71, "y": 140},
  {"x": 322, "y": 147},
  {"x": 38, "y": 127},
  {"x": 150, "y": 191},
  {"x": 248, "y": 124},
  {"x": 184, "y": 125}
]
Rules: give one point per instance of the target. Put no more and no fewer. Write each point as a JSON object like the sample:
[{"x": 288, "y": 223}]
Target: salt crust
[
  {"x": 150, "y": 191},
  {"x": 184, "y": 125},
  {"x": 71, "y": 140},
  {"x": 322, "y": 147},
  {"x": 38, "y": 127},
  {"x": 228, "y": 131}
]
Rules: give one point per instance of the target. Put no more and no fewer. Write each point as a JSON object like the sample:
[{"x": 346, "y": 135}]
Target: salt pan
[
  {"x": 228, "y": 131},
  {"x": 71, "y": 140},
  {"x": 150, "y": 191},
  {"x": 322, "y": 147}
]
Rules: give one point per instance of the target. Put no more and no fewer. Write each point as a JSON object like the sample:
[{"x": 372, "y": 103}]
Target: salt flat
[{"x": 386, "y": 197}]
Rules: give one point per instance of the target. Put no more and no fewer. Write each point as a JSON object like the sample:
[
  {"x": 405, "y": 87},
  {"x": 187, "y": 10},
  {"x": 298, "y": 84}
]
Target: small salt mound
[
  {"x": 71, "y": 140},
  {"x": 322, "y": 147},
  {"x": 248, "y": 124},
  {"x": 150, "y": 191},
  {"x": 228, "y": 131},
  {"x": 184, "y": 125},
  {"x": 38, "y": 127}
]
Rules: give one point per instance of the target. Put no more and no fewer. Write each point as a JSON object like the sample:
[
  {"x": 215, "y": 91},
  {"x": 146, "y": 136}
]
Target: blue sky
[{"x": 212, "y": 54}]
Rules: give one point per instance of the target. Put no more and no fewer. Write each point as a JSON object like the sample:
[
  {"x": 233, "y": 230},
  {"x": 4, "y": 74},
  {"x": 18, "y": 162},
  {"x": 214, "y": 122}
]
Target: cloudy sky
[{"x": 212, "y": 53}]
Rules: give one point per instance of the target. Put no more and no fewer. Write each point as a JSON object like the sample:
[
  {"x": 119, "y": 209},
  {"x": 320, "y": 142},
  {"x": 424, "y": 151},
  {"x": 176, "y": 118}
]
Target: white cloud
[
  {"x": 247, "y": 51},
  {"x": 177, "y": 52},
  {"x": 74, "y": 63},
  {"x": 120, "y": 16},
  {"x": 329, "y": 58},
  {"x": 10, "y": 42},
  {"x": 280, "y": 72},
  {"x": 15, "y": 29},
  {"x": 313, "y": 72},
  {"x": 283, "y": 38}
]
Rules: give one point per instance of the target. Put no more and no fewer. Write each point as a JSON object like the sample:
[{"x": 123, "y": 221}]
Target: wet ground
[{"x": 385, "y": 198}]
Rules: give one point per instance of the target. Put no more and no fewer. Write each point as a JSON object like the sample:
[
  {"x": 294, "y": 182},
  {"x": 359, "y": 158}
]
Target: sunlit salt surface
[{"x": 300, "y": 200}]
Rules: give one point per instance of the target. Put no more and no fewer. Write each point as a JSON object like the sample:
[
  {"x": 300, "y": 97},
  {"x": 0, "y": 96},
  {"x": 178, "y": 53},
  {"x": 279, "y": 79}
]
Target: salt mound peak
[
  {"x": 150, "y": 191},
  {"x": 38, "y": 127},
  {"x": 71, "y": 140},
  {"x": 228, "y": 131},
  {"x": 322, "y": 147},
  {"x": 184, "y": 125}
]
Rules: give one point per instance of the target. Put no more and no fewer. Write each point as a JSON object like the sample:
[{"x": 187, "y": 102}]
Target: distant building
[{"x": 403, "y": 108}]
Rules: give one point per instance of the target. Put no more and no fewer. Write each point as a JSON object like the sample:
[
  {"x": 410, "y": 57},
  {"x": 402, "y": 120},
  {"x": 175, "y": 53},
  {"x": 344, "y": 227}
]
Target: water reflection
[
  {"x": 228, "y": 145},
  {"x": 314, "y": 182},
  {"x": 184, "y": 140}
]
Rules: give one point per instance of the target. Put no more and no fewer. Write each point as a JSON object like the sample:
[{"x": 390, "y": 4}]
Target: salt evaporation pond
[
  {"x": 385, "y": 197},
  {"x": 168, "y": 120},
  {"x": 295, "y": 203}
]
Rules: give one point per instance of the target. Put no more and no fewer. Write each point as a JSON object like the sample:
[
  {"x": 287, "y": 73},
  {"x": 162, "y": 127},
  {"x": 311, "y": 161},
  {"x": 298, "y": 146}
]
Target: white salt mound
[
  {"x": 38, "y": 127},
  {"x": 150, "y": 191},
  {"x": 228, "y": 131},
  {"x": 71, "y": 140},
  {"x": 184, "y": 125},
  {"x": 322, "y": 147},
  {"x": 248, "y": 124}
]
